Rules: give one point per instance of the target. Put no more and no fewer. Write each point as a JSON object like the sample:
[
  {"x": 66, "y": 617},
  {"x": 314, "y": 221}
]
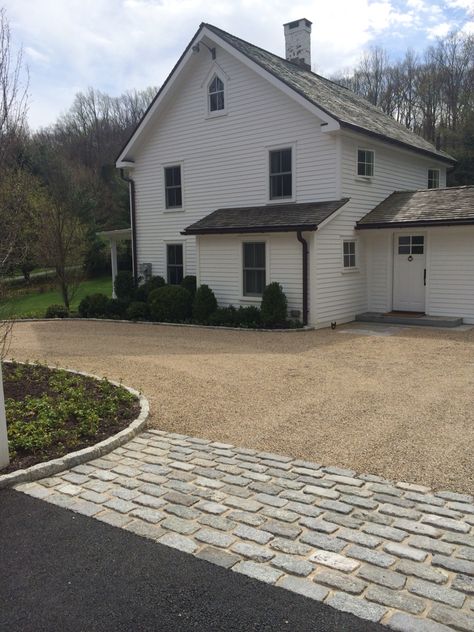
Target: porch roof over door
[{"x": 430, "y": 207}]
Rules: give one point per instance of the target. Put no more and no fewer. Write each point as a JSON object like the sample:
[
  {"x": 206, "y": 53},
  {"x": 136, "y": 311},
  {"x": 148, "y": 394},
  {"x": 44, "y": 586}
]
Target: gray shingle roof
[
  {"x": 270, "y": 218},
  {"x": 349, "y": 109},
  {"x": 430, "y": 207}
]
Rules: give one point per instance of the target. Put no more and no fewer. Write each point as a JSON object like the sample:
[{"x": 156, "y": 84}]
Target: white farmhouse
[{"x": 248, "y": 168}]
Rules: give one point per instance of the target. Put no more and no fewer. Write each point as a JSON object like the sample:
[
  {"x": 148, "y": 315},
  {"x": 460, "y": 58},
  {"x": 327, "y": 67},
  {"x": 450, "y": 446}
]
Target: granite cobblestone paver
[{"x": 393, "y": 552}]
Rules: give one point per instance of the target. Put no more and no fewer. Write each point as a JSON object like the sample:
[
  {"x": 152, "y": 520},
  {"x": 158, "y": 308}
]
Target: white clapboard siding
[
  {"x": 338, "y": 295},
  {"x": 220, "y": 266},
  {"x": 450, "y": 275},
  {"x": 378, "y": 250},
  {"x": 224, "y": 159}
]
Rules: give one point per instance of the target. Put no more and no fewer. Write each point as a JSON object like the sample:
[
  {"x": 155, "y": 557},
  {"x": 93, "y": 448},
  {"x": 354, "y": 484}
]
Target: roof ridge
[{"x": 287, "y": 61}]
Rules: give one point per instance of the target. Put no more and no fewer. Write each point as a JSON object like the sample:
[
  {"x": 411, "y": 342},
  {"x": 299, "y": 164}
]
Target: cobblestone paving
[{"x": 391, "y": 552}]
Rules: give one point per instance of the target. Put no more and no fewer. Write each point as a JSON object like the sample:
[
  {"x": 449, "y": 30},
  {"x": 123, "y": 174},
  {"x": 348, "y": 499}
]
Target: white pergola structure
[
  {"x": 4, "y": 458},
  {"x": 113, "y": 237}
]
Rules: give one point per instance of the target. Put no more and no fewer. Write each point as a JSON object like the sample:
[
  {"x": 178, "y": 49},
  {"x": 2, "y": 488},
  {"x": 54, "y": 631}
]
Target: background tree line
[
  {"x": 59, "y": 185},
  {"x": 431, "y": 93}
]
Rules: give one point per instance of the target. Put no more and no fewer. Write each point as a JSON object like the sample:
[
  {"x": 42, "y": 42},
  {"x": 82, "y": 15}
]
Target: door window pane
[{"x": 411, "y": 245}]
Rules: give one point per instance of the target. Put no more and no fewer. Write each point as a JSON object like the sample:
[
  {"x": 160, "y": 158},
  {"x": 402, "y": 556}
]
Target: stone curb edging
[
  {"x": 148, "y": 322},
  {"x": 40, "y": 470}
]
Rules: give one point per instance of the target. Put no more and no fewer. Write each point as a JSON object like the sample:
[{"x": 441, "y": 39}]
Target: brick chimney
[{"x": 298, "y": 42}]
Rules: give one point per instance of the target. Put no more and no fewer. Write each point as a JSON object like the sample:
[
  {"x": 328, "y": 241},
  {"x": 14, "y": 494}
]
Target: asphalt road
[{"x": 63, "y": 571}]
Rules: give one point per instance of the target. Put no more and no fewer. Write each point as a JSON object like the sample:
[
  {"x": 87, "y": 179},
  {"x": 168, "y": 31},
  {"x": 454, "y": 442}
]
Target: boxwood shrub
[
  {"x": 274, "y": 305},
  {"x": 57, "y": 311},
  {"x": 204, "y": 304},
  {"x": 94, "y": 306},
  {"x": 190, "y": 283},
  {"x": 142, "y": 292},
  {"x": 171, "y": 303},
  {"x": 137, "y": 310}
]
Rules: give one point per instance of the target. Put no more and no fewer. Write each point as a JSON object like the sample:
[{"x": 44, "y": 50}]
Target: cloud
[
  {"x": 440, "y": 30},
  {"x": 115, "y": 45}
]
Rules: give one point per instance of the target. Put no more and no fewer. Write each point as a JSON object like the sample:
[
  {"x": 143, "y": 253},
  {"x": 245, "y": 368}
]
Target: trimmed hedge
[
  {"x": 143, "y": 291},
  {"x": 170, "y": 304},
  {"x": 94, "y": 306},
  {"x": 274, "y": 305},
  {"x": 124, "y": 286},
  {"x": 190, "y": 283},
  {"x": 204, "y": 304},
  {"x": 57, "y": 311},
  {"x": 138, "y": 310}
]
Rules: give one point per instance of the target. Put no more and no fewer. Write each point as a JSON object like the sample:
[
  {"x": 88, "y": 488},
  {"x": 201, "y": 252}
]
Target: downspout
[
  {"x": 131, "y": 190},
  {"x": 304, "y": 244}
]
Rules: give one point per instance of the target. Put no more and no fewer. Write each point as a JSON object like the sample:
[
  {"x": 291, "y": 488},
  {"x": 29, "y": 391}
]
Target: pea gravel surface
[{"x": 400, "y": 406}]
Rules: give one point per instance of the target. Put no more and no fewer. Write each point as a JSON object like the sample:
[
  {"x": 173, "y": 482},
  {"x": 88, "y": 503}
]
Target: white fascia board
[
  {"x": 329, "y": 123},
  {"x": 125, "y": 164}
]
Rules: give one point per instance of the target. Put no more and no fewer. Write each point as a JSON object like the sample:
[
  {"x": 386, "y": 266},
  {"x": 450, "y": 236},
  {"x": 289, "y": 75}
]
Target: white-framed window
[
  {"x": 174, "y": 263},
  {"x": 365, "y": 162},
  {"x": 173, "y": 187},
  {"x": 433, "y": 178},
  {"x": 216, "y": 95},
  {"x": 253, "y": 268},
  {"x": 281, "y": 173},
  {"x": 349, "y": 254}
]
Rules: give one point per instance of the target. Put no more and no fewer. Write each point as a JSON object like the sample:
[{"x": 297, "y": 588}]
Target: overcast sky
[{"x": 116, "y": 45}]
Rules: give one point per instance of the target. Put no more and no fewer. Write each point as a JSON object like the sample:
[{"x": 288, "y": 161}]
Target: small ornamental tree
[
  {"x": 274, "y": 305},
  {"x": 204, "y": 304}
]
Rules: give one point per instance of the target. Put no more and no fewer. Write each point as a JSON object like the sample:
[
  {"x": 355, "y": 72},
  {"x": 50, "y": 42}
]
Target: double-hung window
[
  {"x": 365, "y": 162},
  {"x": 281, "y": 174},
  {"x": 173, "y": 190},
  {"x": 349, "y": 254},
  {"x": 254, "y": 273},
  {"x": 174, "y": 263},
  {"x": 433, "y": 178},
  {"x": 216, "y": 94}
]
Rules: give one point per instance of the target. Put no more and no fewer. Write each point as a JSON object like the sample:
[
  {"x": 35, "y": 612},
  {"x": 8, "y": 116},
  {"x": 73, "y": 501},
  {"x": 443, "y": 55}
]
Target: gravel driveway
[{"x": 401, "y": 406}]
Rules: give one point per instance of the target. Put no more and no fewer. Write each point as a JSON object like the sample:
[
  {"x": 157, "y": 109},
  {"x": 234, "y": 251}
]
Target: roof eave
[
  {"x": 232, "y": 230},
  {"x": 416, "y": 224}
]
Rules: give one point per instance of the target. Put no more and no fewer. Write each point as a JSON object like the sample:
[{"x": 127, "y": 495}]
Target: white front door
[{"x": 409, "y": 264}]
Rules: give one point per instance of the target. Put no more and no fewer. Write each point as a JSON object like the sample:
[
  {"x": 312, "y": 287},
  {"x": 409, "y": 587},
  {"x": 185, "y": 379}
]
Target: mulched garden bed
[{"x": 51, "y": 412}]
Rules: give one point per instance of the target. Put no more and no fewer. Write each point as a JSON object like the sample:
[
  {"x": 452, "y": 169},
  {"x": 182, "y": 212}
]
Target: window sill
[
  {"x": 350, "y": 271},
  {"x": 367, "y": 179},
  {"x": 250, "y": 299},
  {"x": 216, "y": 114},
  {"x": 178, "y": 209},
  {"x": 281, "y": 200}
]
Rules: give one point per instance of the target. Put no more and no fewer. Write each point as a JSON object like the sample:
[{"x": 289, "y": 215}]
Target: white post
[
  {"x": 4, "y": 458},
  {"x": 113, "y": 259}
]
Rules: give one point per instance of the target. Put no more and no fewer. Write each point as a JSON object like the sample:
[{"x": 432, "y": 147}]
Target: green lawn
[{"x": 36, "y": 303}]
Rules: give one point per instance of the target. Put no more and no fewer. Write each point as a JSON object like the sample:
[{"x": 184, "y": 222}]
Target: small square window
[
  {"x": 365, "y": 162},
  {"x": 411, "y": 244},
  {"x": 433, "y": 178},
  {"x": 173, "y": 191},
  {"x": 349, "y": 253},
  {"x": 254, "y": 273},
  {"x": 174, "y": 263},
  {"x": 281, "y": 176}
]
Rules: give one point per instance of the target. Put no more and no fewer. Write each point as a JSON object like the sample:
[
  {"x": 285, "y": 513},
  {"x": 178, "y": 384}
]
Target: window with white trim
[
  {"x": 281, "y": 174},
  {"x": 216, "y": 94},
  {"x": 254, "y": 268},
  {"x": 433, "y": 178},
  {"x": 174, "y": 263},
  {"x": 349, "y": 254},
  {"x": 173, "y": 191},
  {"x": 365, "y": 162}
]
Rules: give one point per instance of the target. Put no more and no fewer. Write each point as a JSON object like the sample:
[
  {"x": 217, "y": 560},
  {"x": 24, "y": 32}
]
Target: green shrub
[
  {"x": 224, "y": 316},
  {"x": 204, "y": 304},
  {"x": 94, "y": 306},
  {"x": 274, "y": 305},
  {"x": 115, "y": 308},
  {"x": 96, "y": 259},
  {"x": 138, "y": 310},
  {"x": 124, "y": 286},
  {"x": 57, "y": 311},
  {"x": 143, "y": 291},
  {"x": 171, "y": 303},
  {"x": 189, "y": 282},
  {"x": 249, "y": 316}
]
